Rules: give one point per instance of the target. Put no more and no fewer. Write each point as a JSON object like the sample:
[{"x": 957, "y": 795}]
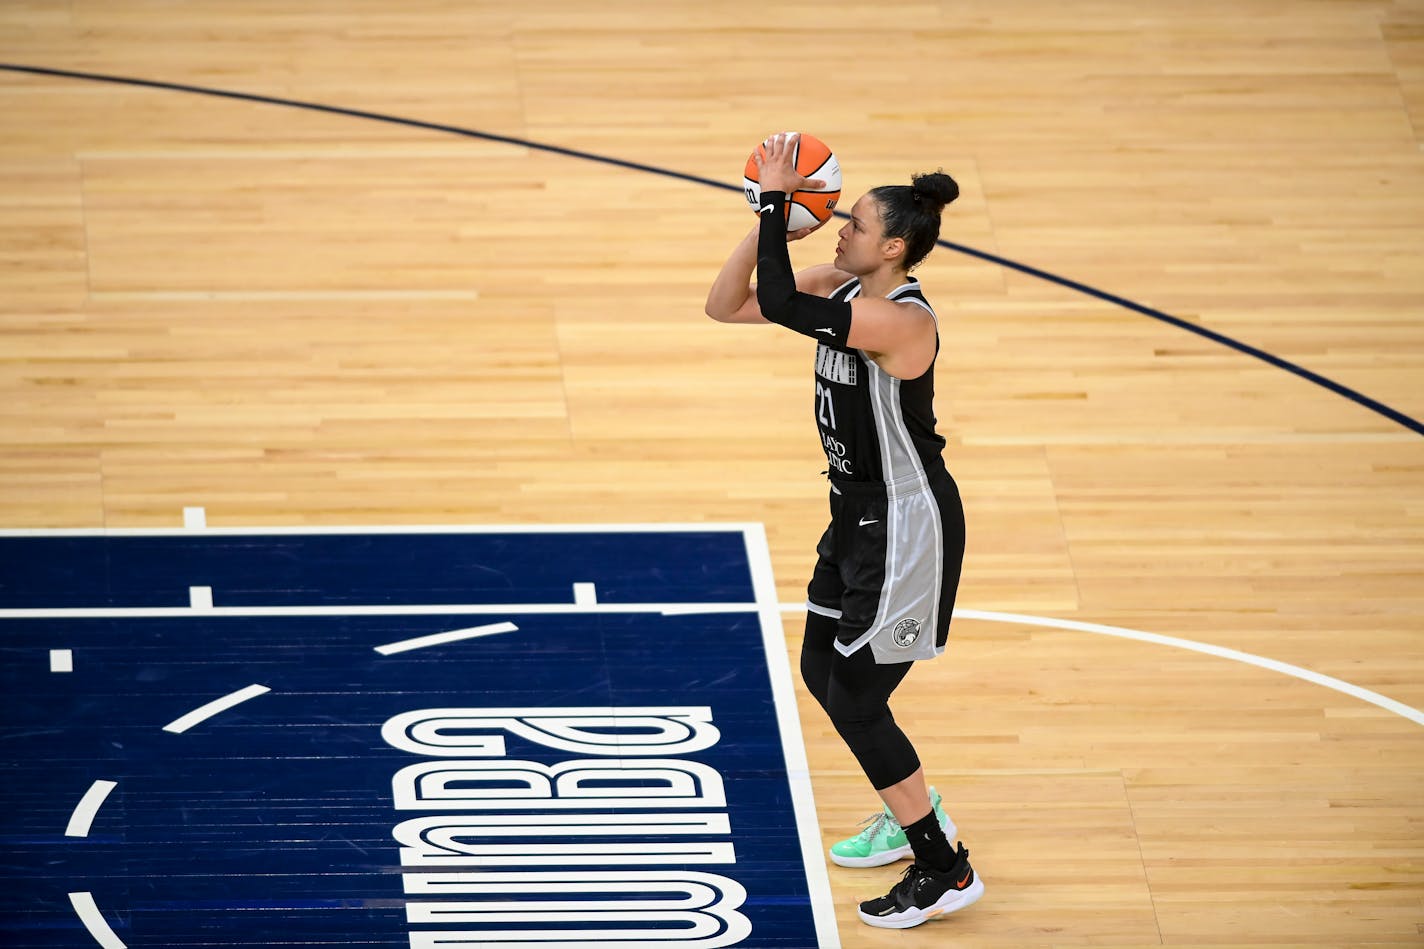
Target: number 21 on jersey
[{"x": 825, "y": 407}]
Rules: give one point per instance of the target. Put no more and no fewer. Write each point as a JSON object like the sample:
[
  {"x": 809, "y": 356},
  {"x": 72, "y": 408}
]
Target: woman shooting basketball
[{"x": 883, "y": 588}]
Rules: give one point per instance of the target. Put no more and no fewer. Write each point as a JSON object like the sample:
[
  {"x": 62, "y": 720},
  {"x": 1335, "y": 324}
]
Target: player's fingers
[{"x": 781, "y": 146}]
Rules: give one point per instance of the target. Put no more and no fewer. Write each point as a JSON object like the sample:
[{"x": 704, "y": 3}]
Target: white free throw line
[
  {"x": 437, "y": 639},
  {"x": 388, "y": 609},
  {"x": 204, "y": 712},
  {"x": 88, "y": 806},
  {"x": 94, "y": 921}
]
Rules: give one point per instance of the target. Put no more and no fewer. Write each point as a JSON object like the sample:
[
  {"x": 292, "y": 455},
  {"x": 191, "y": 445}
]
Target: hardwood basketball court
[{"x": 490, "y": 313}]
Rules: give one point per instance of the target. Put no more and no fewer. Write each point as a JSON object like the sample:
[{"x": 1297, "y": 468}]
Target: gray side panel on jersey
[
  {"x": 907, "y": 618},
  {"x": 900, "y": 463}
]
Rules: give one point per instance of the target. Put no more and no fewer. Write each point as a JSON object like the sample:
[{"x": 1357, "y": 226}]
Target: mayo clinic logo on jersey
[
  {"x": 504, "y": 859},
  {"x": 835, "y": 366},
  {"x": 836, "y": 454},
  {"x": 906, "y": 632}
]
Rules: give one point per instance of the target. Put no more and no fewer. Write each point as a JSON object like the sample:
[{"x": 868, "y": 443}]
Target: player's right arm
[{"x": 732, "y": 298}]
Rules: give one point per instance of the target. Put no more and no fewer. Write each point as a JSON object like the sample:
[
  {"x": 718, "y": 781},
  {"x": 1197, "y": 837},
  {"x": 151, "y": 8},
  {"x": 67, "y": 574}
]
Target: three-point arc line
[
  {"x": 676, "y": 609},
  {"x": 82, "y": 818},
  {"x": 1235, "y": 655}
]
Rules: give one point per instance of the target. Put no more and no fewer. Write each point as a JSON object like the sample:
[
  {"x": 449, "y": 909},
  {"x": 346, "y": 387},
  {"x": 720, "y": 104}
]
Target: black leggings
[{"x": 855, "y": 692}]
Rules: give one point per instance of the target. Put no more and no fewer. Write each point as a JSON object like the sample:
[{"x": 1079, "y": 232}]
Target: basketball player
[{"x": 888, "y": 565}]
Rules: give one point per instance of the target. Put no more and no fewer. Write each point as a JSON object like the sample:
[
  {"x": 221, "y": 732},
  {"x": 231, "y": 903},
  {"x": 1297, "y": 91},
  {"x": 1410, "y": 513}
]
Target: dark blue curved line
[
  {"x": 1357, "y": 397},
  {"x": 374, "y": 116},
  {"x": 1249, "y": 350}
]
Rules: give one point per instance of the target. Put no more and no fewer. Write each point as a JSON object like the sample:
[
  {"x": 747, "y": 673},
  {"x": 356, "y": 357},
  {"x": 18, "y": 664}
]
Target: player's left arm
[{"x": 900, "y": 337}]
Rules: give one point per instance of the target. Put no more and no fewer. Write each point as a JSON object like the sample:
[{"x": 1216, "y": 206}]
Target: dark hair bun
[{"x": 934, "y": 190}]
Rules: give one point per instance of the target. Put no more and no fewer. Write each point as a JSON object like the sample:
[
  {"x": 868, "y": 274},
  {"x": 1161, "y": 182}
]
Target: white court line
[
  {"x": 1275, "y": 665},
  {"x": 194, "y": 518},
  {"x": 793, "y": 745},
  {"x": 688, "y": 528},
  {"x": 94, "y": 921},
  {"x": 585, "y": 594},
  {"x": 87, "y": 808},
  {"x": 675, "y": 609},
  {"x": 687, "y": 609},
  {"x": 204, "y": 712},
  {"x": 437, "y": 639},
  {"x": 200, "y": 598},
  {"x": 61, "y": 660},
  {"x": 385, "y": 609}
]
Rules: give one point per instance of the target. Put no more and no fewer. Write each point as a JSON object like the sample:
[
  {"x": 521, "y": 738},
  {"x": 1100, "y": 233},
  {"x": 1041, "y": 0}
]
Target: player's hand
[
  {"x": 801, "y": 232},
  {"x": 776, "y": 167}
]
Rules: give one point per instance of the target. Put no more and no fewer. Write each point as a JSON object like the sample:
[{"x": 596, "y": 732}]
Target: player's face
[{"x": 860, "y": 247}]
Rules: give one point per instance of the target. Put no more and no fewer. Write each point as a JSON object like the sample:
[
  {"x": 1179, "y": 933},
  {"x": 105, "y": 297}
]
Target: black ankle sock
[{"x": 930, "y": 845}]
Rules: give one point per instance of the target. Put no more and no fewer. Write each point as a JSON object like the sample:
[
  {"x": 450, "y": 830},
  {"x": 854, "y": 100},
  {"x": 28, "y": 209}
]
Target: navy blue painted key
[{"x": 273, "y": 820}]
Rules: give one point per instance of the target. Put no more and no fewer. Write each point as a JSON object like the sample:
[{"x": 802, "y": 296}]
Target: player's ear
[{"x": 893, "y": 247}]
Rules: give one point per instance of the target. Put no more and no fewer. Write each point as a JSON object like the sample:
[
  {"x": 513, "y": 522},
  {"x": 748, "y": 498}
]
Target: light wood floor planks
[{"x": 299, "y": 317}]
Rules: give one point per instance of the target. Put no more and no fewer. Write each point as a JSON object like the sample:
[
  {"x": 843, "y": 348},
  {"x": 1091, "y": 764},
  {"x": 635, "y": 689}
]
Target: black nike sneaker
[{"x": 923, "y": 894}]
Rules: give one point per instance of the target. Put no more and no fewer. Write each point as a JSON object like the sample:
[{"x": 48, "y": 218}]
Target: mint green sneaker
[{"x": 883, "y": 839}]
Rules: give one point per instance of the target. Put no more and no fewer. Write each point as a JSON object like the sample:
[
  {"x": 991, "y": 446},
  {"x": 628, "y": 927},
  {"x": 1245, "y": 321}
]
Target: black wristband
[{"x": 776, "y": 200}]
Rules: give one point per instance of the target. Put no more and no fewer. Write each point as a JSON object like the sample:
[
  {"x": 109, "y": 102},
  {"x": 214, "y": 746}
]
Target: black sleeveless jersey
[{"x": 875, "y": 427}]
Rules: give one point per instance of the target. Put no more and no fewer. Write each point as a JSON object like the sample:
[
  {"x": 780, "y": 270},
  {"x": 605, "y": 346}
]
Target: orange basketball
[{"x": 814, "y": 159}]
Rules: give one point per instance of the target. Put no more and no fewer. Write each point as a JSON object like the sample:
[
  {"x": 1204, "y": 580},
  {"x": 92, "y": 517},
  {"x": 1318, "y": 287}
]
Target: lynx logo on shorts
[
  {"x": 834, "y": 365},
  {"x": 906, "y": 632}
]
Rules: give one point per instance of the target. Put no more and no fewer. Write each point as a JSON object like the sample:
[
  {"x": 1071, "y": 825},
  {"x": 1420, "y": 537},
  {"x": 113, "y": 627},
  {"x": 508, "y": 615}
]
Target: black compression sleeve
[{"x": 777, "y": 295}]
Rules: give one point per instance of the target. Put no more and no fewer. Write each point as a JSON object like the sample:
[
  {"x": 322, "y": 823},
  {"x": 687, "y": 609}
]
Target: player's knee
[
  {"x": 853, "y": 720},
  {"x": 816, "y": 673},
  {"x": 818, "y": 656},
  {"x": 879, "y": 746}
]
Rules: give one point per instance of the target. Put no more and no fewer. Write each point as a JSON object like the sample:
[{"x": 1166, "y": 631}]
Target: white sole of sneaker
[
  {"x": 888, "y": 856},
  {"x": 951, "y": 902},
  {"x": 875, "y": 859}
]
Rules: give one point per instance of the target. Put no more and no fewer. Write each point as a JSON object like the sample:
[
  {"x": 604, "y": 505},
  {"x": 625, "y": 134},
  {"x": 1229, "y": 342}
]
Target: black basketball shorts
[{"x": 888, "y": 566}]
